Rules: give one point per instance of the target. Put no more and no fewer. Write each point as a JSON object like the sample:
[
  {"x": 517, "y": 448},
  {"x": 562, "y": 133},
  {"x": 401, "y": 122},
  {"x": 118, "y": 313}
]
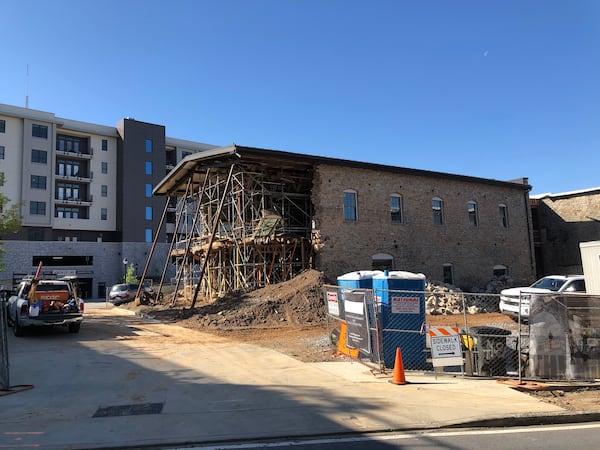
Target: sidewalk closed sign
[{"x": 445, "y": 346}]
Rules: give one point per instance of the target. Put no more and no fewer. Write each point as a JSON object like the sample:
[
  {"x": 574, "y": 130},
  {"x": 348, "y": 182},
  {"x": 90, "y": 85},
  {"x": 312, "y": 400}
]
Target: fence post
[{"x": 4, "y": 372}]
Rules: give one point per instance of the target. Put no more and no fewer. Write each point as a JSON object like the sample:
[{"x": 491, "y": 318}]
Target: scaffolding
[{"x": 241, "y": 225}]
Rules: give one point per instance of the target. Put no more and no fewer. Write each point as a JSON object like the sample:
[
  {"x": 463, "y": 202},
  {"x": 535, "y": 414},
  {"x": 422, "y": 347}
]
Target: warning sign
[
  {"x": 445, "y": 346},
  {"x": 406, "y": 305},
  {"x": 333, "y": 304}
]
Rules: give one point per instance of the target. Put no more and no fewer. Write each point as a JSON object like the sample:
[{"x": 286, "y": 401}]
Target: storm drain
[{"x": 129, "y": 410}]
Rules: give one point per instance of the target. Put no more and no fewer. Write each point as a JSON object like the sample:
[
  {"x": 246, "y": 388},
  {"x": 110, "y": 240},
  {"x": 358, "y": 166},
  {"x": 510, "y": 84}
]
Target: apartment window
[
  {"x": 40, "y": 131},
  {"x": 148, "y": 212},
  {"x": 382, "y": 261},
  {"x": 148, "y": 145},
  {"x": 148, "y": 235},
  {"x": 104, "y": 145},
  {"x": 2, "y": 126},
  {"x": 148, "y": 167},
  {"x": 350, "y": 208},
  {"x": 448, "y": 273},
  {"x": 1, "y": 151},
  {"x": 396, "y": 208},
  {"x": 472, "y": 213},
  {"x": 148, "y": 190},
  {"x": 103, "y": 213},
  {"x": 104, "y": 167},
  {"x": 104, "y": 190},
  {"x": 437, "y": 207},
  {"x": 37, "y": 208},
  {"x": 67, "y": 191},
  {"x": 38, "y": 182},
  {"x": 71, "y": 144},
  {"x": 67, "y": 168},
  {"x": 503, "y": 210},
  {"x": 39, "y": 156},
  {"x": 67, "y": 213}
]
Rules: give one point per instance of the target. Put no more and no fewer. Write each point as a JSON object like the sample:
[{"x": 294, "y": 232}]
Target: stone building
[
  {"x": 340, "y": 216},
  {"x": 561, "y": 221}
]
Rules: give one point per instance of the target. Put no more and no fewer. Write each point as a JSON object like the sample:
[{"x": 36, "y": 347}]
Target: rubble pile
[{"x": 447, "y": 299}]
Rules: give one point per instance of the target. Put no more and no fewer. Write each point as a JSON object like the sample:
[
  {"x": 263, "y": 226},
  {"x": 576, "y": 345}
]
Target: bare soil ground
[{"x": 291, "y": 318}]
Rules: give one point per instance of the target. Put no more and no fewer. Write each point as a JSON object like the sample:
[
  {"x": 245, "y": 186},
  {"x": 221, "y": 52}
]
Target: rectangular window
[
  {"x": 148, "y": 212},
  {"x": 38, "y": 182},
  {"x": 1, "y": 151},
  {"x": 103, "y": 213},
  {"x": 148, "y": 190},
  {"x": 39, "y": 156},
  {"x": 448, "y": 274},
  {"x": 37, "y": 208},
  {"x": 104, "y": 145},
  {"x": 472, "y": 212},
  {"x": 148, "y": 235},
  {"x": 104, "y": 167},
  {"x": 148, "y": 145},
  {"x": 350, "y": 209},
  {"x": 104, "y": 190},
  {"x": 396, "y": 209},
  {"x": 148, "y": 167},
  {"x": 503, "y": 216},
  {"x": 2, "y": 126},
  {"x": 437, "y": 208},
  {"x": 40, "y": 131}
]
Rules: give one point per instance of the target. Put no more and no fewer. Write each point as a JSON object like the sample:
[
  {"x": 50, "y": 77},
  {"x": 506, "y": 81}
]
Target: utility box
[{"x": 590, "y": 258}]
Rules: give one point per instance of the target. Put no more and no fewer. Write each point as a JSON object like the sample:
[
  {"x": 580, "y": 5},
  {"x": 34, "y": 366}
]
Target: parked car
[
  {"x": 45, "y": 303},
  {"x": 510, "y": 298},
  {"x": 122, "y": 293}
]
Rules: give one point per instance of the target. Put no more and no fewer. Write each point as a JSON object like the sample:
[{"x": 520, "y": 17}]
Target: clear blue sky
[{"x": 494, "y": 89}]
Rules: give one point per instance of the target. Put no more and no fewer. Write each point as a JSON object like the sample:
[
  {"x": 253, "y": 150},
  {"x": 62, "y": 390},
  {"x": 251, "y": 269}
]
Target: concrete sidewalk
[{"x": 127, "y": 381}]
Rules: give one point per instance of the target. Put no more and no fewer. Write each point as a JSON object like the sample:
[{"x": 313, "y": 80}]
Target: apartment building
[{"x": 85, "y": 193}]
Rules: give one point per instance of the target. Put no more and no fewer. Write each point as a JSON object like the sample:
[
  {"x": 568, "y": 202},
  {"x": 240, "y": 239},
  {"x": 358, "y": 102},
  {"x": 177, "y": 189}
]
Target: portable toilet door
[{"x": 401, "y": 299}]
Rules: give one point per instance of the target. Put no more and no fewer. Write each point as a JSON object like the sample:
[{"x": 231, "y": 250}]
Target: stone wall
[
  {"x": 417, "y": 245},
  {"x": 564, "y": 222}
]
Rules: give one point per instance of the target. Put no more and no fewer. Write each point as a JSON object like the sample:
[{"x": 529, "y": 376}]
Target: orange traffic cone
[{"x": 398, "y": 377}]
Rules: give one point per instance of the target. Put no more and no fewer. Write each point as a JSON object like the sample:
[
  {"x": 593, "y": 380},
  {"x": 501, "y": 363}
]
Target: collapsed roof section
[{"x": 243, "y": 219}]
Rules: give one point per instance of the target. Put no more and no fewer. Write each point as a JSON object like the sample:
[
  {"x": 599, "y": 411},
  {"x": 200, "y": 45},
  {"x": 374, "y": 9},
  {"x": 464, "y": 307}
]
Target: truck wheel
[
  {"x": 18, "y": 329},
  {"x": 74, "y": 327}
]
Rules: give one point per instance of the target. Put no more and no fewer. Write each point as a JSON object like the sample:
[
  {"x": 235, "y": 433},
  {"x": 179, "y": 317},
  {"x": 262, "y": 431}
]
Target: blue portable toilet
[{"x": 401, "y": 299}]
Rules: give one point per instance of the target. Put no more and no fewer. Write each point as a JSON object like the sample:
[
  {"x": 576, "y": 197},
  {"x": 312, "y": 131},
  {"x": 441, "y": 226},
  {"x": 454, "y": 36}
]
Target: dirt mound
[{"x": 295, "y": 302}]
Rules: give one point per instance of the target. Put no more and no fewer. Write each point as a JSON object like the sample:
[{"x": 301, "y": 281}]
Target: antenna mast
[{"x": 27, "y": 89}]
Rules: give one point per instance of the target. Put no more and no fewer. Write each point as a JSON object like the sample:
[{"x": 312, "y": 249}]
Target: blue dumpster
[{"x": 401, "y": 300}]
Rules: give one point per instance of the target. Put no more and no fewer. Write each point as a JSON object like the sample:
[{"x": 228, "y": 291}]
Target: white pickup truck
[
  {"x": 510, "y": 299},
  {"x": 45, "y": 303}
]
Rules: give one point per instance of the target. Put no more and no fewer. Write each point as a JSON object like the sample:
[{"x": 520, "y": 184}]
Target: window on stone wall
[
  {"x": 382, "y": 261},
  {"x": 350, "y": 206},
  {"x": 437, "y": 207},
  {"x": 473, "y": 213},
  {"x": 503, "y": 210},
  {"x": 500, "y": 270},
  {"x": 448, "y": 273},
  {"x": 396, "y": 208}
]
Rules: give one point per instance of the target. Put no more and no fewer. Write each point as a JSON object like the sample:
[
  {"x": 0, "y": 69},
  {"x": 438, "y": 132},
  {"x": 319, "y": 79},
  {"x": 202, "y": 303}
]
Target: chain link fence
[{"x": 542, "y": 337}]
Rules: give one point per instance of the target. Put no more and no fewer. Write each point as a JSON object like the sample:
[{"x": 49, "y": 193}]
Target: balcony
[
  {"x": 86, "y": 154},
  {"x": 84, "y": 200},
  {"x": 81, "y": 176}
]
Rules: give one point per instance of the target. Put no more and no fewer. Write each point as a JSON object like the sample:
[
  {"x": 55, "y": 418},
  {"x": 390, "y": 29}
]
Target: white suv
[{"x": 510, "y": 298}]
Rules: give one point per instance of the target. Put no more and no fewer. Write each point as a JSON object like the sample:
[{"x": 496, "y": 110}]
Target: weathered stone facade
[
  {"x": 562, "y": 221},
  {"x": 417, "y": 244}
]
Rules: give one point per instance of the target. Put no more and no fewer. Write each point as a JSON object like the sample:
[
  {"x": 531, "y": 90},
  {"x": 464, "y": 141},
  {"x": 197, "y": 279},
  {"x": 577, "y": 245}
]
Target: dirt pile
[{"x": 295, "y": 302}]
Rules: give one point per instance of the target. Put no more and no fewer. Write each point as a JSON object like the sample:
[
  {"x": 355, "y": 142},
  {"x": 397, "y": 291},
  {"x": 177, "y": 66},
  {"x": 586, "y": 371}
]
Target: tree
[
  {"x": 10, "y": 218},
  {"x": 130, "y": 275}
]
